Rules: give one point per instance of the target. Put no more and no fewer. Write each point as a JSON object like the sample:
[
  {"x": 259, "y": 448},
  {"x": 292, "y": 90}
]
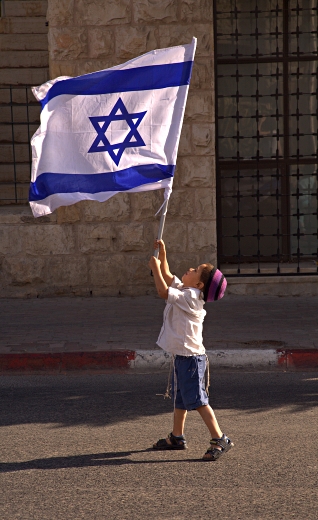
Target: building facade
[{"x": 245, "y": 188}]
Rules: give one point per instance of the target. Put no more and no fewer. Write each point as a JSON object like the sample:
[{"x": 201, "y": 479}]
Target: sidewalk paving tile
[{"x": 110, "y": 323}]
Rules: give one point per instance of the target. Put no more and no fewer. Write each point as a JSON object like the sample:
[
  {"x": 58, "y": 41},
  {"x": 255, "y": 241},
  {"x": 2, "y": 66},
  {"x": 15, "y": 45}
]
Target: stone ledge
[
  {"x": 310, "y": 278},
  {"x": 299, "y": 285},
  {"x": 17, "y": 214}
]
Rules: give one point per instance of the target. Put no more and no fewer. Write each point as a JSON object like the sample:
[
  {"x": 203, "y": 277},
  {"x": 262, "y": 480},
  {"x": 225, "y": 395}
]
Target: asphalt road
[{"x": 77, "y": 447}]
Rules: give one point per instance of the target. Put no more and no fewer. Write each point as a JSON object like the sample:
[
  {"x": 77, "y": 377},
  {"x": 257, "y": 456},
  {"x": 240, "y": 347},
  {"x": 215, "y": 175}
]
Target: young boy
[{"x": 181, "y": 335}]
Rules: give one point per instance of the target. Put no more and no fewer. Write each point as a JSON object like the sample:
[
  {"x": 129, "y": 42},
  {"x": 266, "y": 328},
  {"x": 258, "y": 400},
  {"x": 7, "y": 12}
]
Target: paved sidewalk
[{"x": 128, "y": 324}]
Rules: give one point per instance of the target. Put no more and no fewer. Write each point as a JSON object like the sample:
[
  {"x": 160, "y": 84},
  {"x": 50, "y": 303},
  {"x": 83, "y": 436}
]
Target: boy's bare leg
[
  {"x": 209, "y": 418},
  {"x": 179, "y": 418}
]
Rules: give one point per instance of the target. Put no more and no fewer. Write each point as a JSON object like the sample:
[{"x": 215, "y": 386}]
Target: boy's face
[{"x": 192, "y": 277}]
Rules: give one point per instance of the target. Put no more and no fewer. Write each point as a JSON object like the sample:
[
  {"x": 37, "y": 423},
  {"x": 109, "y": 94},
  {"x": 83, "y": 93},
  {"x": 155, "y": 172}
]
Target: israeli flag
[{"x": 110, "y": 131}]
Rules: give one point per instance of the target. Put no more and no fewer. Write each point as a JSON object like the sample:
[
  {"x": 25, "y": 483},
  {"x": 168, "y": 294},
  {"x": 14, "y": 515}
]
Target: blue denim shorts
[{"x": 189, "y": 381}]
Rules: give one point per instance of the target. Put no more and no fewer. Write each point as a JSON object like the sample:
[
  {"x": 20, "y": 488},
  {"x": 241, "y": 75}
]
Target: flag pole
[{"x": 161, "y": 225}]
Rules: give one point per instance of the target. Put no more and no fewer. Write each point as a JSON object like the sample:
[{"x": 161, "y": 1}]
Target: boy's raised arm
[
  {"x": 161, "y": 286},
  {"x": 164, "y": 266}
]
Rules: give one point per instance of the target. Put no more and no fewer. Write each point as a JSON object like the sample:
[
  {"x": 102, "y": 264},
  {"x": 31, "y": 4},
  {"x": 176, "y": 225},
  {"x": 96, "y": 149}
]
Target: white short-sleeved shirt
[{"x": 181, "y": 332}]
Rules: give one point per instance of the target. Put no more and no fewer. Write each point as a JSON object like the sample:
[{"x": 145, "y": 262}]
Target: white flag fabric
[{"x": 110, "y": 131}]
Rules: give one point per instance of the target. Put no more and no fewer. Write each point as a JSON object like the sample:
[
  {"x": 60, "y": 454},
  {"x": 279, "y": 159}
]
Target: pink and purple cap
[{"x": 215, "y": 286}]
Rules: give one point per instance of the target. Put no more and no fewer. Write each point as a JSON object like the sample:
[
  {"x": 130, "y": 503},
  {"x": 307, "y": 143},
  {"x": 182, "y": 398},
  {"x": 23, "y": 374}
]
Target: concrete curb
[
  {"x": 237, "y": 358},
  {"x": 63, "y": 362}
]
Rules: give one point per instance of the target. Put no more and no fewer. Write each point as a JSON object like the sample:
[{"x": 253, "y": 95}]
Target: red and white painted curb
[
  {"x": 238, "y": 358},
  {"x": 147, "y": 360}
]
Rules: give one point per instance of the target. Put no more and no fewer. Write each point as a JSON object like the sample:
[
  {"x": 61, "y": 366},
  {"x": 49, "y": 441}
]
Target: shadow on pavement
[
  {"x": 83, "y": 461},
  {"x": 101, "y": 400}
]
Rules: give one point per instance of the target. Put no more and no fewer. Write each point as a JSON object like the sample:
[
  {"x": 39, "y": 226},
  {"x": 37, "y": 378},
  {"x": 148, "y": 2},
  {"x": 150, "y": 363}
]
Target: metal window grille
[
  {"x": 2, "y": 9},
  {"x": 19, "y": 119},
  {"x": 266, "y": 121}
]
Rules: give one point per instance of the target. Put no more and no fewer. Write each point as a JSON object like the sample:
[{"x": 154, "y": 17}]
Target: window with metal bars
[
  {"x": 266, "y": 64},
  {"x": 19, "y": 119}
]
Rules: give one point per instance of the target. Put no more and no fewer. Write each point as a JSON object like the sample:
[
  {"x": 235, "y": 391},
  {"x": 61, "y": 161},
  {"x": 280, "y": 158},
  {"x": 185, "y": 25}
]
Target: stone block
[
  {"x": 98, "y": 291},
  {"x": 133, "y": 41},
  {"x": 202, "y": 74},
  {"x": 94, "y": 238},
  {"x": 201, "y": 237},
  {"x": 175, "y": 236},
  {"x": 25, "y": 8},
  {"x": 88, "y": 66},
  {"x": 134, "y": 236},
  {"x": 155, "y": 10},
  {"x": 109, "y": 270},
  {"x": 70, "y": 271},
  {"x": 14, "y": 59},
  {"x": 97, "y": 12},
  {"x": 24, "y": 270},
  {"x": 63, "y": 68},
  {"x": 23, "y": 42},
  {"x": 117, "y": 209},
  {"x": 30, "y": 219},
  {"x": 68, "y": 43},
  {"x": 101, "y": 42},
  {"x": 197, "y": 172},
  {"x": 12, "y": 214},
  {"x": 200, "y": 107},
  {"x": 17, "y": 291},
  {"x": 203, "y": 138},
  {"x": 145, "y": 205},
  {"x": 205, "y": 203},
  {"x": 179, "y": 263},
  {"x": 68, "y": 214},
  {"x": 60, "y": 13},
  {"x": 171, "y": 35},
  {"x": 22, "y": 214},
  {"x": 48, "y": 240},
  {"x": 24, "y": 76},
  {"x": 138, "y": 272},
  {"x": 10, "y": 240},
  {"x": 185, "y": 144},
  {"x": 50, "y": 291},
  {"x": 181, "y": 204},
  {"x": 193, "y": 11},
  {"x": 23, "y": 25}
]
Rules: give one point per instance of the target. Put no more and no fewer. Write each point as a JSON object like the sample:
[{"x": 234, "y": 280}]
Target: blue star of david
[{"x": 118, "y": 113}]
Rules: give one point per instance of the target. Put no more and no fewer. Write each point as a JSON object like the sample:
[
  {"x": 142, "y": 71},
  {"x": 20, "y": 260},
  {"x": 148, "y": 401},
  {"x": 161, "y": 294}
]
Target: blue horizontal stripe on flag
[
  {"x": 53, "y": 183},
  {"x": 111, "y": 81}
]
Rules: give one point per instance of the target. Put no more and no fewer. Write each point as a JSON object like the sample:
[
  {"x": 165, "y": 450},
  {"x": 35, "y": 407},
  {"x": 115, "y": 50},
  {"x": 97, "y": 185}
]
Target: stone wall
[
  {"x": 103, "y": 249},
  {"x": 23, "y": 43}
]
